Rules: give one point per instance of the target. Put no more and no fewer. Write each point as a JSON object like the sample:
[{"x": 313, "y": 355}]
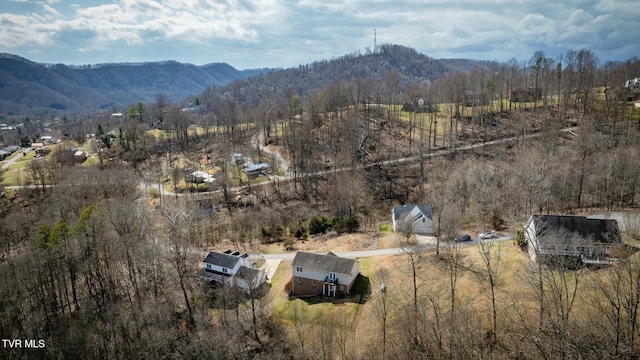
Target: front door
[{"x": 330, "y": 290}]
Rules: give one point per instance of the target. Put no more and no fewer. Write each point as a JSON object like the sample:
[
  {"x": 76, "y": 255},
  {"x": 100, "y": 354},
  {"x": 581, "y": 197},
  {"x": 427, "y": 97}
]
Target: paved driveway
[{"x": 270, "y": 266}]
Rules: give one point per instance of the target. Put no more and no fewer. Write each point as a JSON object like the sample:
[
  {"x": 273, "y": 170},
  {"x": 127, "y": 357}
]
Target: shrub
[
  {"x": 348, "y": 224},
  {"x": 154, "y": 193},
  {"x": 301, "y": 233},
  {"x": 496, "y": 220},
  {"x": 272, "y": 233},
  {"x": 520, "y": 240},
  {"x": 318, "y": 225}
]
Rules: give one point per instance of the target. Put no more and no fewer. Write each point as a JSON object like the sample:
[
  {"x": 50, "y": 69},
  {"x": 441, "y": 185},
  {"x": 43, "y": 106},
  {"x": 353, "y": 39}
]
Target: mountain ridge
[{"x": 28, "y": 87}]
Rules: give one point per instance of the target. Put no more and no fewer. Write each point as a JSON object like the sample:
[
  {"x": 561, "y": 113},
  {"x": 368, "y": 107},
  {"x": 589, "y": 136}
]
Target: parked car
[
  {"x": 487, "y": 235},
  {"x": 463, "y": 238}
]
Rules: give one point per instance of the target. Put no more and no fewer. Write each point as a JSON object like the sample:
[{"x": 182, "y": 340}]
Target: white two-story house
[
  {"x": 416, "y": 219},
  {"x": 227, "y": 269}
]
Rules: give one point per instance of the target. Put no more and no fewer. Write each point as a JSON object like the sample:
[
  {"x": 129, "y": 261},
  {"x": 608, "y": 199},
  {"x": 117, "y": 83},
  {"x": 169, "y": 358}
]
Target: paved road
[
  {"x": 288, "y": 176},
  {"x": 626, "y": 220},
  {"x": 283, "y": 163},
  {"x": 378, "y": 252},
  {"x": 12, "y": 161}
]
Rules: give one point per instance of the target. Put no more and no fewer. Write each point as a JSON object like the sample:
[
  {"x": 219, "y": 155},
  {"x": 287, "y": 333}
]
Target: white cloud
[
  {"x": 36, "y": 1},
  {"x": 275, "y": 32}
]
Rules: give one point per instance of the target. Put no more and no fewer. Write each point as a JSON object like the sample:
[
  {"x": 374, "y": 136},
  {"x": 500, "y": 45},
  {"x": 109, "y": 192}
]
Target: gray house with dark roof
[
  {"x": 327, "y": 275},
  {"x": 593, "y": 241},
  {"x": 231, "y": 270},
  {"x": 417, "y": 217}
]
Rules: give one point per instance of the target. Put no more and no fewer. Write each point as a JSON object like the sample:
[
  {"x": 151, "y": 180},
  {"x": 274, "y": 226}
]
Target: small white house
[
  {"x": 254, "y": 169},
  {"x": 418, "y": 217},
  {"x": 326, "y": 275},
  {"x": 200, "y": 177}
]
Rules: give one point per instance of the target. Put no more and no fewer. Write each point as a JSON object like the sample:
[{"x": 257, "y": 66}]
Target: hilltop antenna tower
[{"x": 374, "y": 41}]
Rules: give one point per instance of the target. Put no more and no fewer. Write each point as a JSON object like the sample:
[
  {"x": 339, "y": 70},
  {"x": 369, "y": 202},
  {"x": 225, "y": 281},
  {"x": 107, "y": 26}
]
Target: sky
[{"x": 251, "y": 34}]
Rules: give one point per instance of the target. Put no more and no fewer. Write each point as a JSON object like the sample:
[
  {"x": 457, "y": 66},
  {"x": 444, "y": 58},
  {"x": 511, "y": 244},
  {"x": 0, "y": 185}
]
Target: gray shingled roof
[
  {"x": 224, "y": 260},
  {"x": 328, "y": 263},
  {"x": 248, "y": 273},
  {"x": 400, "y": 210},
  {"x": 596, "y": 230}
]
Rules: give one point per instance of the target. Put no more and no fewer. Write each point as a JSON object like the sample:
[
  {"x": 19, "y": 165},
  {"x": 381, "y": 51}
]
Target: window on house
[
  {"x": 341, "y": 287},
  {"x": 299, "y": 280},
  {"x": 208, "y": 266},
  {"x": 298, "y": 269},
  {"x": 315, "y": 282},
  {"x": 224, "y": 270}
]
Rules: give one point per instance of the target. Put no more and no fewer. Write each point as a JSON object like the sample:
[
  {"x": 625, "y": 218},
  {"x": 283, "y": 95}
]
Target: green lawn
[{"x": 16, "y": 174}]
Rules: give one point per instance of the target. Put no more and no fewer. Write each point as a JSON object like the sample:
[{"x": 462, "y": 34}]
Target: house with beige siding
[
  {"x": 325, "y": 275},
  {"x": 588, "y": 240}
]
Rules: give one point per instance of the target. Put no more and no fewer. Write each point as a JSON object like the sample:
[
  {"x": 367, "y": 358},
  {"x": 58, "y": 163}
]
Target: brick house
[{"x": 326, "y": 275}]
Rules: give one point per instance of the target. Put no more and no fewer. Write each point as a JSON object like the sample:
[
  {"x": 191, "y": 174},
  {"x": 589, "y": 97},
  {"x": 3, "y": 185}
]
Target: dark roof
[
  {"x": 224, "y": 260},
  {"x": 398, "y": 211},
  {"x": 248, "y": 273},
  {"x": 213, "y": 275},
  {"x": 596, "y": 230},
  {"x": 328, "y": 263}
]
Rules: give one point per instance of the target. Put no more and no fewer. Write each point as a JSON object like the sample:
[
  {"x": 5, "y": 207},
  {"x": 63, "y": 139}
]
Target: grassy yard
[
  {"x": 17, "y": 174},
  {"x": 514, "y": 292}
]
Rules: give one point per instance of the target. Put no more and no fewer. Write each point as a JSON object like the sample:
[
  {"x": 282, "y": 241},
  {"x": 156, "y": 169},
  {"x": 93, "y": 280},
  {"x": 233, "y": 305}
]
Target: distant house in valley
[
  {"x": 633, "y": 84},
  {"x": 199, "y": 177},
  {"x": 48, "y": 140},
  {"x": 591, "y": 241},
  {"x": 255, "y": 169},
  {"x": 418, "y": 106},
  {"x": 4, "y": 128},
  {"x": 474, "y": 98},
  {"x": 79, "y": 156},
  {"x": 5, "y": 152},
  {"x": 42, "y": 151},
  {"x": 416, "y": 218},
  {"x": 231, "y": 269},
  {"x": 326, "y": 275},
  {"x": 525, "y": 95},
  {"x": 237, "y": 158}
]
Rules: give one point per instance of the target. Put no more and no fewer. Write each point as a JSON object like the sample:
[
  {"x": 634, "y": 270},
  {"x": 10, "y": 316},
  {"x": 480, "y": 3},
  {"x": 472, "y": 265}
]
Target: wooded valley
[{"x": 99, "y": 259}]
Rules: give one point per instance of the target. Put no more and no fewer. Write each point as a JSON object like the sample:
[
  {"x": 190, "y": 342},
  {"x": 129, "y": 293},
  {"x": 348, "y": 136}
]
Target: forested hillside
[
  {"x": 410, "y": 66},
  {"x": 99, "y": 258},
  {"x": 28, "y": 88}
]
